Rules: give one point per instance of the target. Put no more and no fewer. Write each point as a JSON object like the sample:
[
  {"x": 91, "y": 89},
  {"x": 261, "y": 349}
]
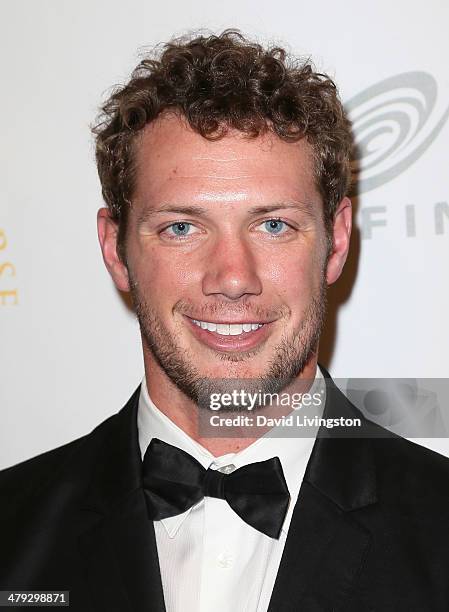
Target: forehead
[{"x": 171, "y": 157}]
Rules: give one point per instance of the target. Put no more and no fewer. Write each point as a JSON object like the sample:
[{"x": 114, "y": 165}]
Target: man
[{"x": 225, "y": 169}]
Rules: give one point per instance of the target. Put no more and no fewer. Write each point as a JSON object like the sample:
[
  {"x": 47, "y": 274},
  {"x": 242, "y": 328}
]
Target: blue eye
[
  {"x": 274, "y": 226},
  {"x": 180, "y": 229}
]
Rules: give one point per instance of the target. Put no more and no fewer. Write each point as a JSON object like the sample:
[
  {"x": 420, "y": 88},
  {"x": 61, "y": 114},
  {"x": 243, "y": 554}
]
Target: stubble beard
[{"x": 290, "y": 355}]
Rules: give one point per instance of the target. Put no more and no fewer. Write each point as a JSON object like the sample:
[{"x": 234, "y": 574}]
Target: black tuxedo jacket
[{"x": 370, "y": 530}]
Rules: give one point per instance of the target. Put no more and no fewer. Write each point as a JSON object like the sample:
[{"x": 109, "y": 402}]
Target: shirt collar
[{"x": 293, "y": 452}]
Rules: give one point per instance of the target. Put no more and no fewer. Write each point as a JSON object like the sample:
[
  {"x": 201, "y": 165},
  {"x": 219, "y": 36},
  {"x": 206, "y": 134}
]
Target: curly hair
[{"x": 220, "y": 83}]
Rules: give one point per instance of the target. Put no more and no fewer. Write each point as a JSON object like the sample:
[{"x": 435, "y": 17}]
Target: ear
[
  {"x": 107, "y": 235},
  {"x": 341, "y": 235}
]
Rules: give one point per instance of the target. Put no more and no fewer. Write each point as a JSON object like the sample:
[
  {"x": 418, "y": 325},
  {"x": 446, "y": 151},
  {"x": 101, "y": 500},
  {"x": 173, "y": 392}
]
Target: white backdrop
[{"x": 69, "y": 350}]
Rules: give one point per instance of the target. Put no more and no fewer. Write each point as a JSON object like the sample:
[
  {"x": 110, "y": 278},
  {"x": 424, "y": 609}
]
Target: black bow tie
[{"x": 173, "y": 482}]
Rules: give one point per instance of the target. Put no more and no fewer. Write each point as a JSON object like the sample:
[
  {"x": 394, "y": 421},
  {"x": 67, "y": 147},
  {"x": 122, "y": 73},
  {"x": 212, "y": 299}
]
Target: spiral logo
[
  {"x": 393, "y": 125},
  {"x": 409, "y": 407}
]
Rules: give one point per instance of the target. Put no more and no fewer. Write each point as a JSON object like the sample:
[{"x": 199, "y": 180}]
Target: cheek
[
  {"x": 162, "y": 273},
  {"x": 293, "y": 278}
]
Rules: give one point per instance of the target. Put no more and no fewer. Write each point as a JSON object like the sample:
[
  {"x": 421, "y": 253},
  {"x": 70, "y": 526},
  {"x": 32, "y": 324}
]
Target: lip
[
  {"x": 242, "y": 342},
  {"x": 231, "y": 321}
]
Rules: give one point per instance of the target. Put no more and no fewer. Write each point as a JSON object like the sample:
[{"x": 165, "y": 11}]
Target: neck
[{"x": 186, "y": 414}]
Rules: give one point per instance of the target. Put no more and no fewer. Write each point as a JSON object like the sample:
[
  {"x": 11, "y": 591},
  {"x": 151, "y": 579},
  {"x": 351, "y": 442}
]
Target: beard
[{"x": 289, "y": 358}]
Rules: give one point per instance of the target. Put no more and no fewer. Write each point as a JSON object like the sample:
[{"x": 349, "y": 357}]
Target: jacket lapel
[
  {"x": 117, "y": 540},
  {"x": 326, "y": 545}
]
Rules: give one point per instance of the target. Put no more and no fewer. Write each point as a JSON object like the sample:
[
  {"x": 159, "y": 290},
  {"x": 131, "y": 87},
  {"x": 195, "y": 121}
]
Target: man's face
[{"x": 226, "y": 255}]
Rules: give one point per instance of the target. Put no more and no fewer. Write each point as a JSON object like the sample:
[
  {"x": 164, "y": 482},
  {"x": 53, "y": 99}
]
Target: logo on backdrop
[
  {"x": 394, "y": 123},
  {"x": 8, "y": 289}
]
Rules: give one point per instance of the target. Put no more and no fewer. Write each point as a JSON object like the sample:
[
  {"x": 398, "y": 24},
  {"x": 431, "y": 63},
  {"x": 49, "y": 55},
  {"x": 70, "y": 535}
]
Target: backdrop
[{"x": 70, "y": 350}]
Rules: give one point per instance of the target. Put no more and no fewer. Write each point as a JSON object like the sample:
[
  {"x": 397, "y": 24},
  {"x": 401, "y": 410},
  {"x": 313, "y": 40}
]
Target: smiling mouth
[
  {"x": 230, "y": 337},
  {"x": 228, "y": 329}
]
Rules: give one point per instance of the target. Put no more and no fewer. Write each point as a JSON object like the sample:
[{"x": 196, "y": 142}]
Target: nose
[{"x": 231, "y": 270}]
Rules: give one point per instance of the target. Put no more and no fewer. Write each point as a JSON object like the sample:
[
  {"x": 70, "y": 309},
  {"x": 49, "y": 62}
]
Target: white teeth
[{"x": 228, "y": 329}]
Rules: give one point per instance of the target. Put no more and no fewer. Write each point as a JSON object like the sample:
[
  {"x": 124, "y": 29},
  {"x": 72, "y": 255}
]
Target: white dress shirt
[{"x": 210, "y": 559}]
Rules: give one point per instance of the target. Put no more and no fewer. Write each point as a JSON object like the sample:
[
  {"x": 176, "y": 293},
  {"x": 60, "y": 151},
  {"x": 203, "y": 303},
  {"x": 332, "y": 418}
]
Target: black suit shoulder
[
  {"x": 403, "y": 460},
  {"x": 32, "y": 474},
  {"x": 33, "y": 478},
  {"x": 414, "y": 478}
]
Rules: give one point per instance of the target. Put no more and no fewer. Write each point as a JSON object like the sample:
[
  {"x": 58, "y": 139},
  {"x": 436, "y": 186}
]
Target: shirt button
[
  {"x": 227, "y": 469},
  {"x": 225, "y": 560}
]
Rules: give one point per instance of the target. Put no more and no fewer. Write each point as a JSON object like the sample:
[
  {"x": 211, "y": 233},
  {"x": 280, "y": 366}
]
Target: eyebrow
[
  {"x": 307, "y": 207},
  {"x": 198, "y": 211}
]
